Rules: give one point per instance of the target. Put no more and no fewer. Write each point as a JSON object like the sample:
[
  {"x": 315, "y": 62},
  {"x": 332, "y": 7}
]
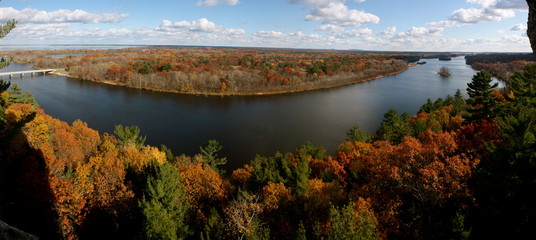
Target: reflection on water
[{"x": 245, "y": 125}]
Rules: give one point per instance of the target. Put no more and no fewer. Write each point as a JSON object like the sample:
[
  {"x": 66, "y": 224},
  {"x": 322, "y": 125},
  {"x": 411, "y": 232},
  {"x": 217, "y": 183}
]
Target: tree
[
  {"x": 394, "y": 127},
  {"x": 16, "y": 95},
  {"x": 209, "y": 151},
  {"x": 444, "y": 72},
  {"x": 5, "y": 29},
  {"x": 129, "y": 136},
  {"x": 481, "y": 97},
  {"x": 353, "y": 221},
  {"x": 164, "y": 204},
  {"x": 356, "y": 134},
  {"x": 505, "y": 182},
  {"x": 242, "y": 217}
]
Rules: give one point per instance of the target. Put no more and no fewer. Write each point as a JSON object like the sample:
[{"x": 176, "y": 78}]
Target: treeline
[
  {"x": 227, "y": 71},
  {"x": 499, "y": 58},
  {"x": 460, "y": 168},
  {"x": 500, "y": 65}
]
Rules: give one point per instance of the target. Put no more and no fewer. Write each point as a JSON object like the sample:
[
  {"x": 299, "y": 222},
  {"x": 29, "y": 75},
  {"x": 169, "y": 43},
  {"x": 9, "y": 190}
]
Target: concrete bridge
[{"x": 30, "y": 72}]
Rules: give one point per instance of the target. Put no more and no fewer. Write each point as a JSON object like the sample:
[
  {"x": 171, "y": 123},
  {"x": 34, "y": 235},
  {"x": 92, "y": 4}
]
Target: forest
[
  {"x": 216, "y": 71},
  {"x": 461, "y": 168},
  {"x": 500, "y": 65}
]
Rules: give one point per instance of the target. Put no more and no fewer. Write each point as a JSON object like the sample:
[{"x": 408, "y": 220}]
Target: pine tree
[
  {"x": 356, "y": 134},
  {"x": 164, "y": 204},
  {"x": 481, "y": 98},
  {"x": 129, "y": 135},
  {"x": 209, "y": 151},
  {"x": 394, "y": 127},
  {"x": 346, "y": 224},
  {"x": 16, "y": 95}
]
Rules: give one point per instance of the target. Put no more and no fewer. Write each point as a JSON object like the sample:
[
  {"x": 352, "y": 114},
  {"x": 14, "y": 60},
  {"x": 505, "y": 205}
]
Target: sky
[{"x": 381, "y": 25}]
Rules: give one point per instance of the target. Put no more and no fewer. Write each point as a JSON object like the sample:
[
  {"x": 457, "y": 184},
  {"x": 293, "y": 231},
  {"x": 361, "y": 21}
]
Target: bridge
[{"x": 30, "y": 72}]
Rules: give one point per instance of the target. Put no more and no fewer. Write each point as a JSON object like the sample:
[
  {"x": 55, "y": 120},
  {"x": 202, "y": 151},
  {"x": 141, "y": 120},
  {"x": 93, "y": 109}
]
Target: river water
[{"x": 245, "y": 126}]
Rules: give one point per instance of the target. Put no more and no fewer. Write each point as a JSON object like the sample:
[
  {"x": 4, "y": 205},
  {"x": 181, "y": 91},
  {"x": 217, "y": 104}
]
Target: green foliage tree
[
  {"x": 292, "y": 169},
  {"x": 394, "y": 127},
  {"x": 301, "y": 233},
  {"x": 129, "y": 135},
  {"x": 209, "y": 151},
  {"x": 6, "y": 28},
  {"x": 345, "y": 224},
  {"x": 458, "y": 103},
  {"x": 214, "y": 227},
  {"x": 356, "y": 134},
  {"x": 505, "y": 182},
  {"x": 523, "y": 86},
  {"x": 482, "y": 100},
  {"x": 145, "y": 69},
  {"x": 16, "y": 95},
  {"x": 170, "y": 157},
  {"x": 3, "y": 121},
  {"x": 164, "y": 204}
]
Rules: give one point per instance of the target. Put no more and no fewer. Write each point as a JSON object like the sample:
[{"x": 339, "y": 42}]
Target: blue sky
[{"x": 399, "y": 25}]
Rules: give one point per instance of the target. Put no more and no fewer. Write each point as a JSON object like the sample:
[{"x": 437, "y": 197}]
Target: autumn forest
[{"x": 216, "y": 71}]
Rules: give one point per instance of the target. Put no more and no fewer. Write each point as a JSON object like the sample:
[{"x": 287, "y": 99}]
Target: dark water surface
[{"x": 245, "y": 126}]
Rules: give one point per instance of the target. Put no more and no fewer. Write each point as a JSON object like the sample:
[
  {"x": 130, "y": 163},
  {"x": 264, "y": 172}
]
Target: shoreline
[{"x": 63, "y": 73}]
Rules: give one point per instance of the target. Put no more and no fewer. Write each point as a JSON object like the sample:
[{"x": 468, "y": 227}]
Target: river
[{"x": 245, "y": 126}]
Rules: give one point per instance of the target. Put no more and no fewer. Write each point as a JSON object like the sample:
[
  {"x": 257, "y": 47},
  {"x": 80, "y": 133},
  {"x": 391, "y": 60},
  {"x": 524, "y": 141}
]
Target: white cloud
[
  {"x": 336, "y": 13},
  {"x": 210, "y": 3},
  {"x": 358, "y": 33},
  {"x": 329, "y": 28},
  {"x": 519, "y": 27},
  {"x": 200, "y": 25},
  {"x": 233, "y": 32},
  {"x": 474, "y": 16},
  {"x": 29, "y": 15},
  {"x": 490, "y": 10},
  {"x": 268, "y": 34},
  {"x": 388, "y": 31}
]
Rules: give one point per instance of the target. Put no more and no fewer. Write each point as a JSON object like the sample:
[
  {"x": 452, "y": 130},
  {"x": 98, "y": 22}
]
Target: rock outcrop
[{"x": 531, "y": 23}]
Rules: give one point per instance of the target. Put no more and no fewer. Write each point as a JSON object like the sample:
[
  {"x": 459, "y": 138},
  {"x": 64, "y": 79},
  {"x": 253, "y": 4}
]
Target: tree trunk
[{"x": 531, "y": 31}]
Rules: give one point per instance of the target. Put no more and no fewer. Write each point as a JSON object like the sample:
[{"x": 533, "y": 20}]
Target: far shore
[{"x": 62, "y": 72}]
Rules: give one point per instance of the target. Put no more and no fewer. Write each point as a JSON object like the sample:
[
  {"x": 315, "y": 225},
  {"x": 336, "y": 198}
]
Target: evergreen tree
[
  {"x": 523, "y": 86},
  {"x": 16, "y": 95},
  {"x": 482, "y": 100},
  {"x": 164, "y": 204},
  {"x": 506, "y": 182},
  {"x": 345, "y": 224},
  {"x": 356, "y": 134},
  {"x": 214, "y": 226},
  {"x": 5, "y": 29},
  {"x": 3, "y": 121},
  {"x": 129, "y": 135},
  {"x": 394, "y": 127},
  {"x": 209, "y": 151}
]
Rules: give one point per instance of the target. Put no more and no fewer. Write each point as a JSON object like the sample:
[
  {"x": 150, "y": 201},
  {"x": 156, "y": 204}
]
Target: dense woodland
[
  {"x": 500, "y": 65},
  {"x": 221, "y": 71},
  {"x": 460, "y": 168}
]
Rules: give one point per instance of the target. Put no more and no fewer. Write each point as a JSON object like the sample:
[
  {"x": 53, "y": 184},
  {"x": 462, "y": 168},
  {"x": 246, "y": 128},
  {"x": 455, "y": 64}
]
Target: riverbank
[
  {"x": 64, "y": 73},
  {"x": 218, "y": 72}
]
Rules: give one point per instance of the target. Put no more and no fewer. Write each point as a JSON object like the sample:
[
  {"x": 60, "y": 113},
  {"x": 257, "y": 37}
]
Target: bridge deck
[{"x": 26, "y": 72}]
